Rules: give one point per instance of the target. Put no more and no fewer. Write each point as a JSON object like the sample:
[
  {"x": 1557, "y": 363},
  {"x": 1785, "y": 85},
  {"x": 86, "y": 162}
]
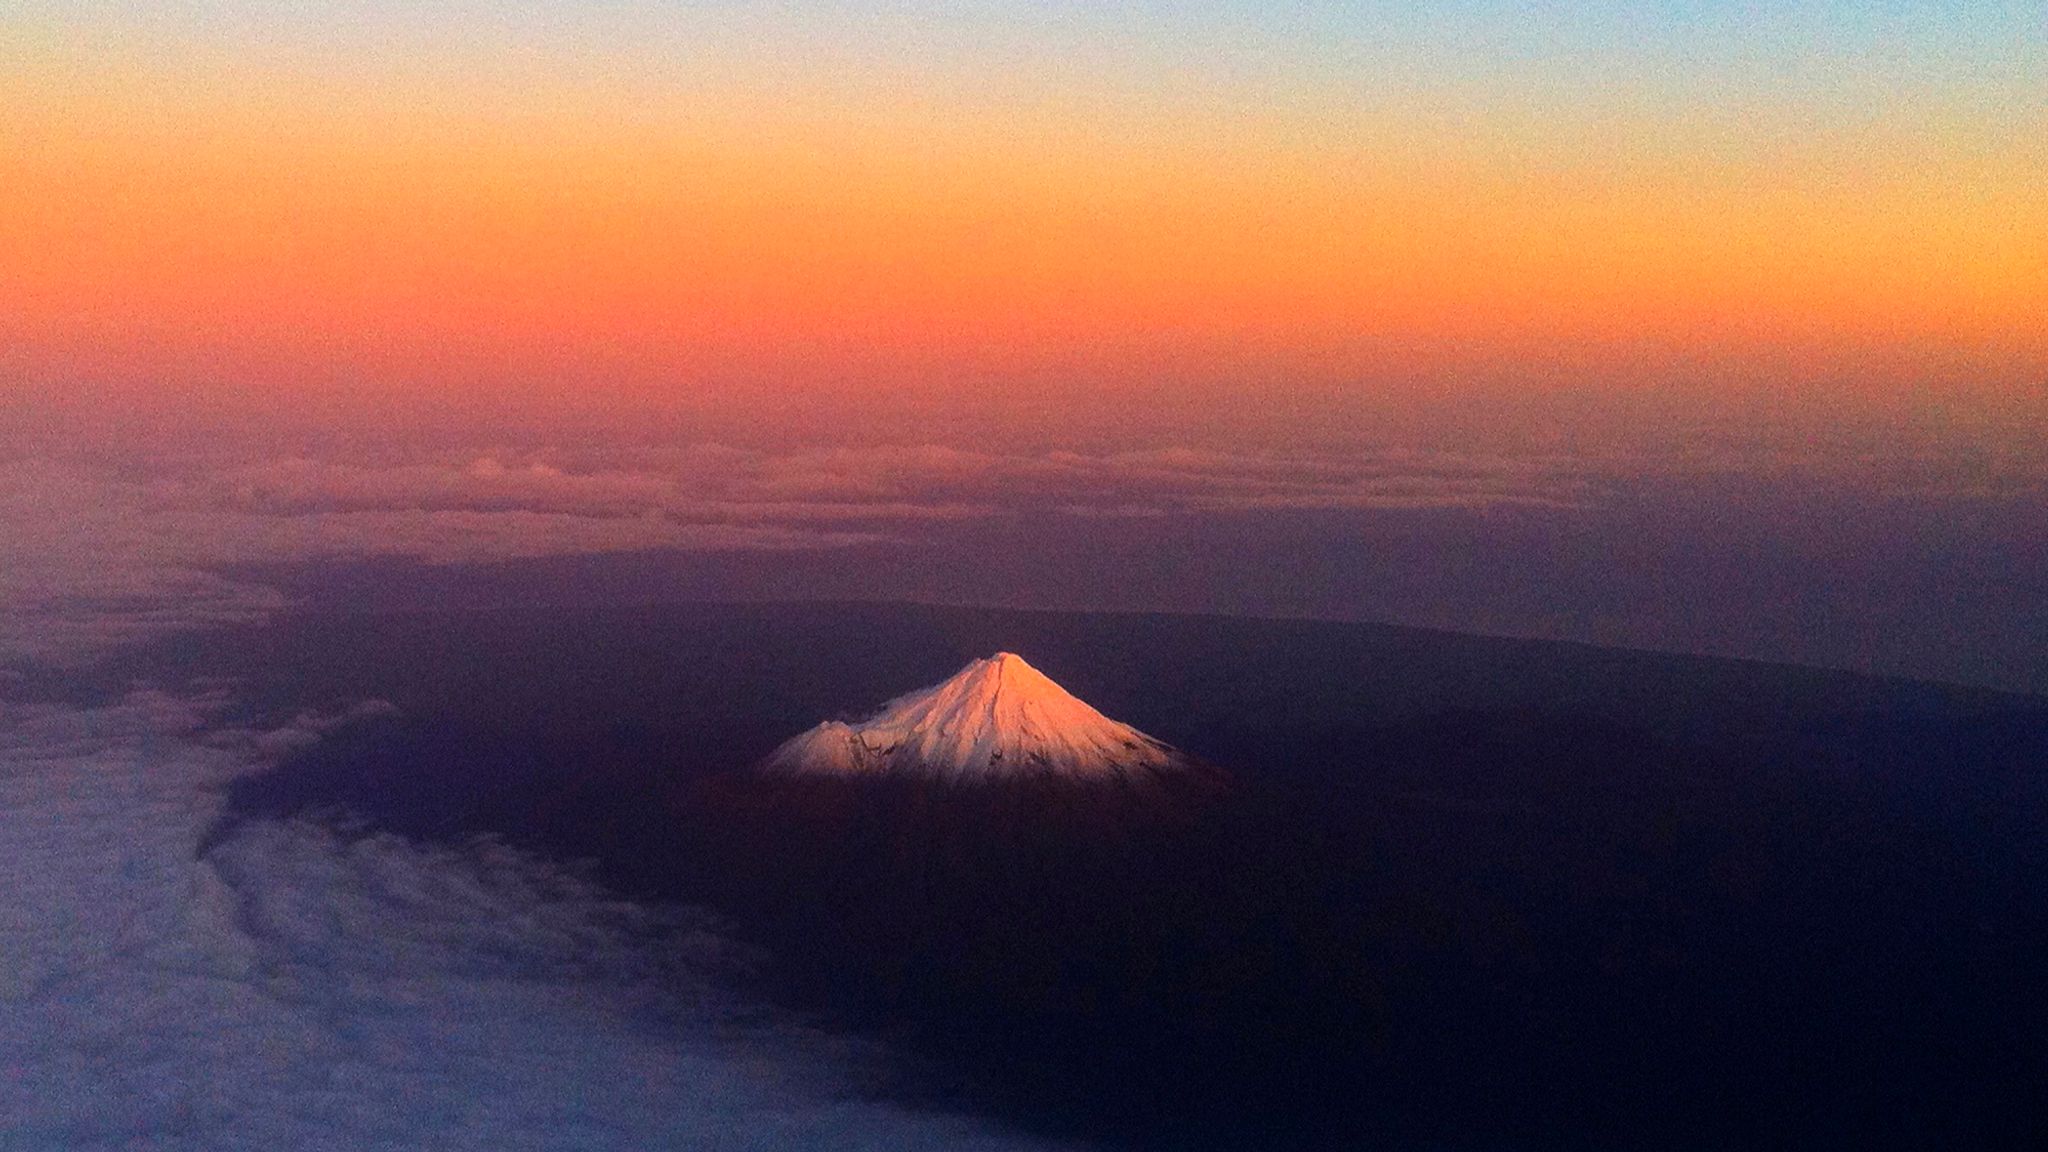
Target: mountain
[
  {"x": 996, "y": 719},
  {"x": 1456, "y": 891}
]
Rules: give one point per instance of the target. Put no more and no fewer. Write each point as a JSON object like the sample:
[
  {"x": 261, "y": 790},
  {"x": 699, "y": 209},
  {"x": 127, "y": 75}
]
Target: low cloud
[
  {"x": 99, "y": 556},
  {"x": 1167, "y": 480},
  {"x": 96, "y": 558},
  {"x": 710, "y": 485},
  {"x": 299, "y": 986}
]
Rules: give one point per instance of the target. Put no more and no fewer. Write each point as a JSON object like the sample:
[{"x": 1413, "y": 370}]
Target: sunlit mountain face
[
  {"x": 907, "y": 575},
  {"x": 998, "y": 718}
]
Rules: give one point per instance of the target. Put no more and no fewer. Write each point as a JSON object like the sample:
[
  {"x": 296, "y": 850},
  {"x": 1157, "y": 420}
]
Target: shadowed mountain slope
[{"x": 1454, "y": 891}]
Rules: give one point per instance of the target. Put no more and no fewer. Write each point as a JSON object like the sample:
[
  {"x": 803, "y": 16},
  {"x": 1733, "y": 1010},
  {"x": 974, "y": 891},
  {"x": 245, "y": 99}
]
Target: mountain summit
[{"x": 997, "y": 718}]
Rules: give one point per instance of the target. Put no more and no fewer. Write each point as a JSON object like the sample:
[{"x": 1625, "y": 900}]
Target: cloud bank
[
  {"x": 295, "y": 986},
  {"x": 99, "y": 555}
]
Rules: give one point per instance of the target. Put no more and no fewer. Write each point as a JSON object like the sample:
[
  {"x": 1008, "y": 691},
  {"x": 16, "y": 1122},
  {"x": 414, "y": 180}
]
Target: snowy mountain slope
[{"x": 997, "y": 718}]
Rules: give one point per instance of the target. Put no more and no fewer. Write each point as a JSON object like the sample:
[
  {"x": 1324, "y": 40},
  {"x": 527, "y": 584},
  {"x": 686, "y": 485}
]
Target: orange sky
[{"x": 251, "y": 232}]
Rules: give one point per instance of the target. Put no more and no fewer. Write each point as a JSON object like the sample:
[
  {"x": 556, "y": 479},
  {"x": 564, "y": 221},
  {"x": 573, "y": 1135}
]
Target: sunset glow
[{"x": 240, "y": 207}]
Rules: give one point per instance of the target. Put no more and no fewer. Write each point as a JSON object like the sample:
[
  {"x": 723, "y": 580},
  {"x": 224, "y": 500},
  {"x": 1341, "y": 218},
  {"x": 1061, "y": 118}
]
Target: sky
[
  {"x": 1049, "y": 220},
  {"x": 1708, "y": 326}
]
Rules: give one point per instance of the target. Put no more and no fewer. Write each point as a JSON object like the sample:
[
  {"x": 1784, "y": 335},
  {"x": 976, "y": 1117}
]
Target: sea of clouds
[
  {"x": 100, "y": 553},
  {"x": 1918, "y": 560},
  {"x": 167, "y": 982}
]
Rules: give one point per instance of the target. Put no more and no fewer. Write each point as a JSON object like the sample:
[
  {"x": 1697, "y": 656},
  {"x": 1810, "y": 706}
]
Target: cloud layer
[
  {"x": 100, "y": 555},
  {"x": 97, "y": 553},
  {"x": 298, "y": 987}
]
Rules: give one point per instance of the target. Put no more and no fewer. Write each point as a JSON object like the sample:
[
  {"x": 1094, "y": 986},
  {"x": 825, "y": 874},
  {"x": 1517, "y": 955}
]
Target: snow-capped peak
[{"x": 996, "y": 718}]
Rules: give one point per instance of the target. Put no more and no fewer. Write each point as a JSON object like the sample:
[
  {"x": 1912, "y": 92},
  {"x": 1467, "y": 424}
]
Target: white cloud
[{"x": 297, "y": 987}]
